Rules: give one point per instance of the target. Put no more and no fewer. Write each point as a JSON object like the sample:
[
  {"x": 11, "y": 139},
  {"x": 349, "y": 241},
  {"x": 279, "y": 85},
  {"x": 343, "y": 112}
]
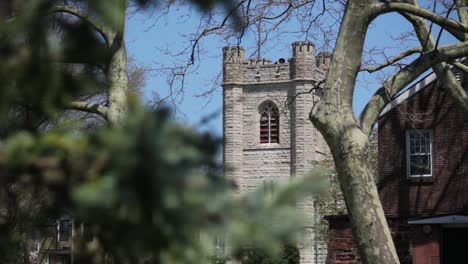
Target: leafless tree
[{"x": 346, "y": 134}]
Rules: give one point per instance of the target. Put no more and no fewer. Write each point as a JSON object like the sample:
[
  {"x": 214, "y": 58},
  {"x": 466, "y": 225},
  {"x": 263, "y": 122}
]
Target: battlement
[
  {"x": 303, "y": 48},
  {"x": 323, "y": 60},
  {"x": 233, "y": 54},
  {"x": 302, "y": 65}
]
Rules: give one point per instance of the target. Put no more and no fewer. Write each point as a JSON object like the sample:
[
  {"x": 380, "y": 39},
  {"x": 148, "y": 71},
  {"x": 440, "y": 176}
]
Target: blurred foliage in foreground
[
  {"x": 289, "y": 255},
  {"x": 147, "y": 191}
]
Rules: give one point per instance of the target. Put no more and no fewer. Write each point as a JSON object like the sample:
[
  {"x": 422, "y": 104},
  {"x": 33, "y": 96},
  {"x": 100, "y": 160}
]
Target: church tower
[{"x": 267, "y": 133}]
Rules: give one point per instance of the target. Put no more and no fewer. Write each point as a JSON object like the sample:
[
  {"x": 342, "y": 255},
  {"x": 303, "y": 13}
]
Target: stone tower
[{"x": 267, "y": 132}]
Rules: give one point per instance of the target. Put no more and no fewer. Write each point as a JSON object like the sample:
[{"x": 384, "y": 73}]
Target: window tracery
[{"x": 269, "y": 123}]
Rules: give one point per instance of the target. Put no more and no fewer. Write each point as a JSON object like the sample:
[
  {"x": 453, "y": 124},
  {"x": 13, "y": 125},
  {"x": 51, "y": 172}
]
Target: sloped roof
[
  {"x": 448, "y": 219},
  {"x": 415, "y": 88},
  {"x": 424, "y": 82}
]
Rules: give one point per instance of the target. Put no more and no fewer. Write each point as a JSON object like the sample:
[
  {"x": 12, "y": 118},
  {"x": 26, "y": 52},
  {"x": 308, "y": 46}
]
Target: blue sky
[{"x": 145, "y": 39}]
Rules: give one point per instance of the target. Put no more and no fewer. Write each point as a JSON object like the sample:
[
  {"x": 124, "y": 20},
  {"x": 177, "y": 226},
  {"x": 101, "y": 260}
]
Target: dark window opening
[{"x": 65, "y": 230}]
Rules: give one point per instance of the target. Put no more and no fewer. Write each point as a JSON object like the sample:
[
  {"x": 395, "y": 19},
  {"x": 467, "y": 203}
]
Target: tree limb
[
  {"x": 462, "y": 14},
  {"x": 450, "y": 83},
  {"x": 206, "y": 31},
  {"x": 460, "y": 66},
  {"x": 404, "y": 77},
  {"x": 421, "y": 12},
  {"x": 392, "y": 60},
  {"x": 452, "y": 86},
  {"x": 99, "y": 27},
  {"x": 90, "y": 108}
]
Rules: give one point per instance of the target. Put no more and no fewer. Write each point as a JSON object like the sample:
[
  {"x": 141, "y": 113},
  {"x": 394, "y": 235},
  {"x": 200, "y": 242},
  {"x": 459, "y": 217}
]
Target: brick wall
[
  {"x": 447, "y": 191},
  {"x": 343, "y": 249}
]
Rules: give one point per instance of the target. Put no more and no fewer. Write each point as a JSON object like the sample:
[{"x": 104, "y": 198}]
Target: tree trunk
[
  {"x": 117, "y": 71},
  {"x": 333, "y": 115},
  {"x": 118, "y": 84},
  {"x": 365, "y": 210}
]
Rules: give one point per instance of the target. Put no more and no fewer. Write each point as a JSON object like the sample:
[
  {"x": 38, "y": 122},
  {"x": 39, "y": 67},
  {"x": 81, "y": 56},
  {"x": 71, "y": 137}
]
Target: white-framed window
[
  {"x": 269, "y": 123},
  {"x": 419, "y": 153}
]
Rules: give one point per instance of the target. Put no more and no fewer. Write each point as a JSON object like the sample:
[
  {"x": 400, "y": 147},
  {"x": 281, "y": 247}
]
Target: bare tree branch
[
  {"x": 442, "y": 29},
  {"x": 462, "y": 14},
  {"x": 452, "y": 86},
  {"x": 208, "y": 30},
  {"x": 421, "y": 12},
  {"x": 404, "y": 77},
  {"x": 272, "y": 16},
  {"x": 392, "y": 60},
  {"x": 443, "y": 72},
  {"x": 90, "y": 108},
  {"x": 460, "y": 66},
  {"x": 99, "y": 27}
]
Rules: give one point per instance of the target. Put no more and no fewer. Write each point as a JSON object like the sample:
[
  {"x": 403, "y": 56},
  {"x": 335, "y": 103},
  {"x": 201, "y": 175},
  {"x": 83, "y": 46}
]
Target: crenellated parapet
[
  {"x": 323, "y": 60},
  {"x": 264, "y": 71},
  {"x": 304, "y": 65},
  {"x": 303, "y": 60},
  {"x": 233, "y": 59}
]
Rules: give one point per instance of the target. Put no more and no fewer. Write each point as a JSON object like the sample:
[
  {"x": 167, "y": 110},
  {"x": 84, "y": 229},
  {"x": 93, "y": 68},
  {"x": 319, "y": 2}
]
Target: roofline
[
  {"x": 448, "y": 219},
  {"x": 424, "y": 82}
]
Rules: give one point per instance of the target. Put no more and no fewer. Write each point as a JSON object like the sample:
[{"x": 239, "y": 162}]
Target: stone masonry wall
[
  {"x": 232, "y": 130},
  {"x": 263, "y": 71},
  {"x": 254, "y": 95},
  {"x": 288, "y": 84},
  {"x": 263, "y": 166}
]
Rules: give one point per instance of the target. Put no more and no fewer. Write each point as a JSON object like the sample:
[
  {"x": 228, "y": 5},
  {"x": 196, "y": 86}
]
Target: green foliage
[
  {"x": 148, "y": 190},
  {"x": 330, "y": 202},
  {"x": 33, "y": 85},
  {"x": 289, "y": 255}
]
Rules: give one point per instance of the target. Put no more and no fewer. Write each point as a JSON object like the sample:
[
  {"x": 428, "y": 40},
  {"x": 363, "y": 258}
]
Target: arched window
[{"x": 269, "y": 123}]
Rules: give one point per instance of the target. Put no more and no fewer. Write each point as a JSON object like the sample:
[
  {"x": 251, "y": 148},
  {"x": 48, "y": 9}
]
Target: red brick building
[{"x": 423, "y": 179}]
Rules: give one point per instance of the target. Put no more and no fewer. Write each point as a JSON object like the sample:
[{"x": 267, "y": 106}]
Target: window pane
[
  {"x": 419, "y": 152},
  {"x": 420, "y": 142},
  {"x": 427, "y": 143},
  {"x": 420, "y": 165},
  {"x": 269, "y": 123}
]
